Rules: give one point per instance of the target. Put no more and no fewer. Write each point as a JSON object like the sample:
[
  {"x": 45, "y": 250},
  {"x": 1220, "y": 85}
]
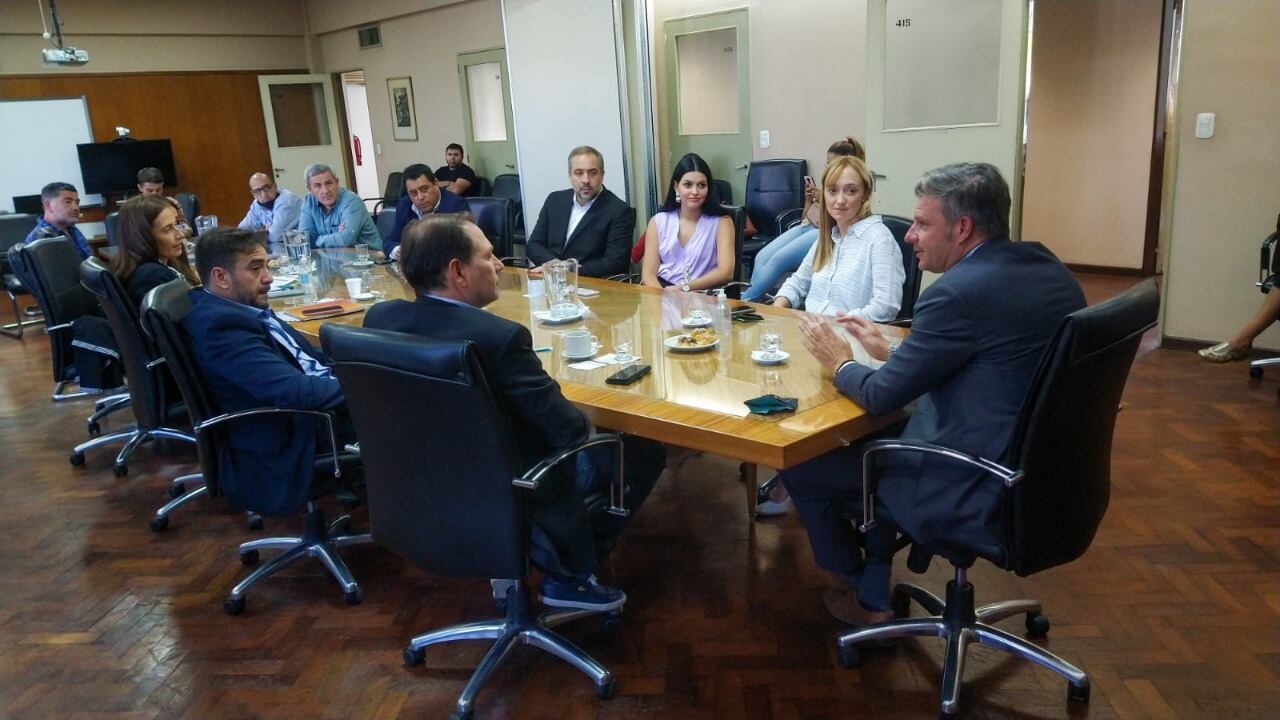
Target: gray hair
[
  {"x": 586, "y": 150},
  {"x": 974, "y": 189},
  {"x": 316, "y": 169}
]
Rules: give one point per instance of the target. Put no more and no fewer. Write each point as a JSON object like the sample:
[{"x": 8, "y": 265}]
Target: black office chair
[
  {"x": 111, "y": 222},
  {"x": 162, "y": 312},
  {"x": 1268, "y": 280},
  {"x": 444, "y": 487},
  {"x": 480, "y": 188},
  {"x": 142, "y": 365},
  {"x": 725, "y": 191},
  {"x": 774, "y": 189},
  {"x": 385, "y": 222},
  {"x": 391, "y": 194},
  {"x": 494, "y": 216},
  {"x": 190, "y": 206},
  {"x": 50, "y": 269},
  {"x": 14, "y": 229},
  {"x": 1055, "y": 492},
  {"x": 508, "y": 186},
  {"x": 898, "y": 227}
]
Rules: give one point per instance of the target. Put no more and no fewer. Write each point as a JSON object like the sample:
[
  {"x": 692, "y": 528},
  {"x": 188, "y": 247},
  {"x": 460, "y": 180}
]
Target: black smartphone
[
  {"x": 383, "y": 261},
  {"x": 628, "y": 375}
]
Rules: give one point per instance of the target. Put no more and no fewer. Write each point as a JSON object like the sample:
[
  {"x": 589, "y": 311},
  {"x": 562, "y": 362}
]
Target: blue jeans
[{"x": 781, "y": 256}]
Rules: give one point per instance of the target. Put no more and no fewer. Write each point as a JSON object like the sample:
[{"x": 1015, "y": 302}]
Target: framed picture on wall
[{"x": 404, "y": 124}]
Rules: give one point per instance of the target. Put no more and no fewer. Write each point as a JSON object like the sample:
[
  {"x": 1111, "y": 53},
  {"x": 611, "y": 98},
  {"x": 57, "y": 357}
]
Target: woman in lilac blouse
[{"x": 689, "y": 243}]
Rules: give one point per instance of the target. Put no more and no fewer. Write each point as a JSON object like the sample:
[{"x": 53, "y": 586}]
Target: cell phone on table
[{"x": 628, "y": 375}]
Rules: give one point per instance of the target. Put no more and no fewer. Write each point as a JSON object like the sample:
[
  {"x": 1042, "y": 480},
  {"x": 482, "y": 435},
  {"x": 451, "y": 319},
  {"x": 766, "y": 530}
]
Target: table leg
[{"x": 749, "y": 481}]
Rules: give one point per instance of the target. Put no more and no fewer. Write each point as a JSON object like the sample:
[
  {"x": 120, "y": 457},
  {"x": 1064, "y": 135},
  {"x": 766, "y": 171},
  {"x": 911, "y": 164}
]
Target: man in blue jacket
[
  {"x": 333, "y": 216},
  {"x": 423, "y": 196},
  {"x": 249, "y": 358},
  {"x": 976, "y": 340}
]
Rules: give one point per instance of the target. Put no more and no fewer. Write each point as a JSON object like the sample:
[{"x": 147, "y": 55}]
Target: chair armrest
[
  {"x": 789, "y": 218},
  {"x": 227, "y": 417},
  {"x": 155, "y": 363},
  {"x": 629, "y": 278},
  {"x": 49, "y": 329},
  {"x": 877, "y": 447},
  {"x": 530, "y": 479}
]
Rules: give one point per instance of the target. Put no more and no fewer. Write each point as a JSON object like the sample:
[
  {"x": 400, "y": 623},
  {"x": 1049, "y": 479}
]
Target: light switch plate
[
  {"x": 764, "y": 139},
  {"x": 1204, "y": 125}
]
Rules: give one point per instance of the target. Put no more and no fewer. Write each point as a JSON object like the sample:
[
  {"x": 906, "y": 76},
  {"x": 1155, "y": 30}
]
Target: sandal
[{"x": 1223, "y": 352}]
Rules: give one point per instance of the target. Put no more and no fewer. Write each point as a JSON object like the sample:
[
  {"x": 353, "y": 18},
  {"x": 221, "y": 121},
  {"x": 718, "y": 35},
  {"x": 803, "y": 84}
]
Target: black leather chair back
[
  {"x": 146, "y": 385},
  {"x": 899, "y": 226},
  {"x": 507, "y": 186},
  {"x": 14, "y": 229},
  {"x": 481, "y": 187},
  {"x": 162, "y": 312},
  {"x": 393, "y": 190},
  {"x": 739, "y": 216},
  {"x": 386, "y": 222},
  {"x": 1063, "y": 438},
  {"x": 50, "y": 270},
  {"x": 725, "y": 191},
  {"x": 496, "y": 218},
  {"x": 438, "y": 470},
  {"x": 772, "y": 187},
  {"x": 111, "y": 222},
  {"x": 190, "y": 206}
]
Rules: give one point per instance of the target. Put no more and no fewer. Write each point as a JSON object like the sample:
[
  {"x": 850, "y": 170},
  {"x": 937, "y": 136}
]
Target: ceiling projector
[{"x": 65, "y": 56}]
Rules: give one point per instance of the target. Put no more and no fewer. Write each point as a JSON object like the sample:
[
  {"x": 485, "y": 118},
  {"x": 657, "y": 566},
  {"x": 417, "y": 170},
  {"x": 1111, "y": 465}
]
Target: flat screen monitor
[
  {"x": 29, "y": 204},
  {"x": 112, "y": 167}
]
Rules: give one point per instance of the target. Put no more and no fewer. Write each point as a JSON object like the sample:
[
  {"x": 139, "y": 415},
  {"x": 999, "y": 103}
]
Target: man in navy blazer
[
  {"x": 586, "y": 221},
  {"x": 423, "y": 196},
  {"x": 976, "y": 340},
  {"x": 451, "y": 266},
  {"x": 249, "y": 358}
]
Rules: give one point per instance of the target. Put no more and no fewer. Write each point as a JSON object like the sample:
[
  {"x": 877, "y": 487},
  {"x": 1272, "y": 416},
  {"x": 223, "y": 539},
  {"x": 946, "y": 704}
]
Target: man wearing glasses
[{"x": 273, "y": 209}]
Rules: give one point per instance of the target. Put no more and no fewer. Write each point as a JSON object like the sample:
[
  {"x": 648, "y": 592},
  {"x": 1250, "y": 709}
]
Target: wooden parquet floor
[{"x": 1174, "y": 612}]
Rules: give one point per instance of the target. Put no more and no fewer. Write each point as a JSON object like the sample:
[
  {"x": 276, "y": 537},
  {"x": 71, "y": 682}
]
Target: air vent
[{"x": 370, "y": 37}]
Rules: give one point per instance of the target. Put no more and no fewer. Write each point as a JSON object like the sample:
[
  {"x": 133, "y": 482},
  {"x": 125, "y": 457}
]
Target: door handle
[
  {"x": 509, "y": 165},
  {"x": 743, "y": 166},
  {"x": 878, "y": 176},
  {"x": 278, "y": 170}
]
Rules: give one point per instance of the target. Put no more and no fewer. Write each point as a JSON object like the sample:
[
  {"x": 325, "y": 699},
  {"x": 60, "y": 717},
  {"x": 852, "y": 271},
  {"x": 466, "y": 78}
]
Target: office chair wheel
[
  {"x": 1077, "y": 694},
  {"x": 1255, "y": 372},
  {"x": 607, "y": 691},
  {"x": 77, "y": 459},
  {"x": 160, "y": 524},
  {"x": 612, "y": 622},
  {"x": 233, "y": 606},
  {"x": 120, "y": 469},
  {"x": 176, "y": 490},
  {"x": 1037, "y": 625},
  {"x": 94, "y": 428},
  {"x": 413, "y": 658},
  {"x": 354, "y": 597},
  {"x": 848, "y": 657},
  {"x": 249, "y": 558},
  {"x": 253, "y": 520}
]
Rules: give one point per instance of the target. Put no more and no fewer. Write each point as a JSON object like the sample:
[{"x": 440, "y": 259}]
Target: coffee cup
[
  {"x": 353, "y": 286},
  {"x": 579, "y": 343},
  {"x": 536, "y": 288}
]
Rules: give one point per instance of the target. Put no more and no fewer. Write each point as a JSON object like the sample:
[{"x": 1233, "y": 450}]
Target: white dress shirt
[
  {"x": 863, "y": 275},
  {"x": 576, "y": 212}
]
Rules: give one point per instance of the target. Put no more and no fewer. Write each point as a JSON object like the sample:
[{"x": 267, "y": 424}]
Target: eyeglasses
[{"x": 257, "y": 190}]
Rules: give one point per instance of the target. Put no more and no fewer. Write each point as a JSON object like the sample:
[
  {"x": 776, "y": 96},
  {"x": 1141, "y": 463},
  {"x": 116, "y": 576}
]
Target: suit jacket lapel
[{"x": 592, "y": 213}]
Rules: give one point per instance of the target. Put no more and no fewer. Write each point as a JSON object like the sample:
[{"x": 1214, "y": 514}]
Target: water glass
[
  {"x": 362, "y": 254},
  {"x": 297, "y": 248},
  {"x": 770, "y": 339},
  {"x": 205, "y": 223},
  {"x": 623, "y": 341}
]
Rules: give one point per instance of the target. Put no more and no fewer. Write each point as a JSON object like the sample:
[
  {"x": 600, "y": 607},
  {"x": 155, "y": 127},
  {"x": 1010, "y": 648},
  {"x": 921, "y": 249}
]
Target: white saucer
[
  {"x": 355, "y": 263},
  {"x": 363, "y": 296},
  {"x": 673, "y": 343},
  {"x": 759, "y": 357},
  {"x": 578, "y": 358},
  {"x": 691, "y": 323},
  {"x": 545, "y": 316}
]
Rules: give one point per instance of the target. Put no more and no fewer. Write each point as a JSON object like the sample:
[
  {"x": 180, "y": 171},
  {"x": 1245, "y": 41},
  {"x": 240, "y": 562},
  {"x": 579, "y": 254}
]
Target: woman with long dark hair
[
  {"x": 150, "y": 251},
  {"x": 689, "y": 242}
]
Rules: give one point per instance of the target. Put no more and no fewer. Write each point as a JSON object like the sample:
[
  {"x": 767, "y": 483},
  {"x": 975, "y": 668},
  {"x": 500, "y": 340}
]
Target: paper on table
[
  {"x": 587, "y": 292},
  {"x": 586, "y": 365}
]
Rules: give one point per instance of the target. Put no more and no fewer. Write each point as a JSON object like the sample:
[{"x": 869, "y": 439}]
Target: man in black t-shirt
[{"x": 455, "y": 176}]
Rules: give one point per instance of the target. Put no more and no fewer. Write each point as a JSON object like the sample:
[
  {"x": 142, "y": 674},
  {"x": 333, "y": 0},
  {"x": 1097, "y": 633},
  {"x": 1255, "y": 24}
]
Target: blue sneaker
[{"x": 590, "y": 594}]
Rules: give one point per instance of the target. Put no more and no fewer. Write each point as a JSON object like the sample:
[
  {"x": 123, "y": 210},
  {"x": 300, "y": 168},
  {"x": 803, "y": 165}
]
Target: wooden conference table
[{"x": 692, "y": 400}]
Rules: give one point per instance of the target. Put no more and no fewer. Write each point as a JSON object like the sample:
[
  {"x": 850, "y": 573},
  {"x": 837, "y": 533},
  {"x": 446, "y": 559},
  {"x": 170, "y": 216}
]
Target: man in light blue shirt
[
  {"x": 273, "y": 209},
  {"x": 333, "y": 216}
]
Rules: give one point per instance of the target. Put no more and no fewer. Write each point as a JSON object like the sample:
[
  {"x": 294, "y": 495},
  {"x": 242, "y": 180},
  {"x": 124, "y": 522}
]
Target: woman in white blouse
[{"x": 855, "y": 267}]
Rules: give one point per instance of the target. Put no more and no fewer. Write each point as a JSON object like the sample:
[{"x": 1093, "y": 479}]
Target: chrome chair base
[
  {"x": 132, "y": 437},
  {"x": 319, "y": 541},
  {"x": 15, "y": 328},
  {"x": 104, "y": 407},
  {"x": 58, "y": 395},
  {"x": 519, "y": 626},
  {"x": 959, "y": 623}
]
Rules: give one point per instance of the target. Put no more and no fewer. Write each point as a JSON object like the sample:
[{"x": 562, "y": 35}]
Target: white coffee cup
[
  {"x": 578, "y": 343},
  {"x": 536, "y": 288},
  {"x": 353, "y": 286}
]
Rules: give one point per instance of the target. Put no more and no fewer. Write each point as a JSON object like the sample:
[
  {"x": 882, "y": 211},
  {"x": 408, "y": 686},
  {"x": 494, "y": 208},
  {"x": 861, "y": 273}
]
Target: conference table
[{"x": 689, "y": 399}]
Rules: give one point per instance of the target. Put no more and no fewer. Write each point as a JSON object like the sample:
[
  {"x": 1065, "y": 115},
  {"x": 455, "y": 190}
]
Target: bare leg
[{"x": 1267, "y": 314}]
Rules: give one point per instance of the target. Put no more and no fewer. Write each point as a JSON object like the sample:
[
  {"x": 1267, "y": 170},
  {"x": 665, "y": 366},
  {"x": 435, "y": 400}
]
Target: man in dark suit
[
  {"x": 586, "y": 221},
  {"x": 975, "y": 343},
  {"x": 451, "y": 265},
  {"x": 249, "y": 358},
  {"x": 423, "y": 196}
]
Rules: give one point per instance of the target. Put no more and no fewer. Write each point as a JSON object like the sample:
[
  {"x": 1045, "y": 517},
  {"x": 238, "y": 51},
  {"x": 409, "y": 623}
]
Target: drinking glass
[
  {"x": 561, "y": 280},
  {"x": 362, "y": 253},
  {"x": 297, "y": 248},
  {"x": 770, "y": 339},
  {"x": 623, "y": 337},
  {"x": 205, "y": 223}
]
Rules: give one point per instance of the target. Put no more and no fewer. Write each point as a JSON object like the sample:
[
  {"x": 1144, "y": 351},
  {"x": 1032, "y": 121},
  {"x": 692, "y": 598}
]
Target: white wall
[
  {"x": 423, "y": 46},
  {"x": 1227, "y": 189},
  {"x": 368, "y": 181},
  {"x": 564, "y": 92}
]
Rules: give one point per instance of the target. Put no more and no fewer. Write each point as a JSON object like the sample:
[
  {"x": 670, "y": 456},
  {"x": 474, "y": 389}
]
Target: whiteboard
[{"x": 38, "y": 139}]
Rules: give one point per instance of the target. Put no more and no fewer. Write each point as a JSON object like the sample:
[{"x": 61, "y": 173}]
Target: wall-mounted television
[{"x": 112, "y": 167}]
